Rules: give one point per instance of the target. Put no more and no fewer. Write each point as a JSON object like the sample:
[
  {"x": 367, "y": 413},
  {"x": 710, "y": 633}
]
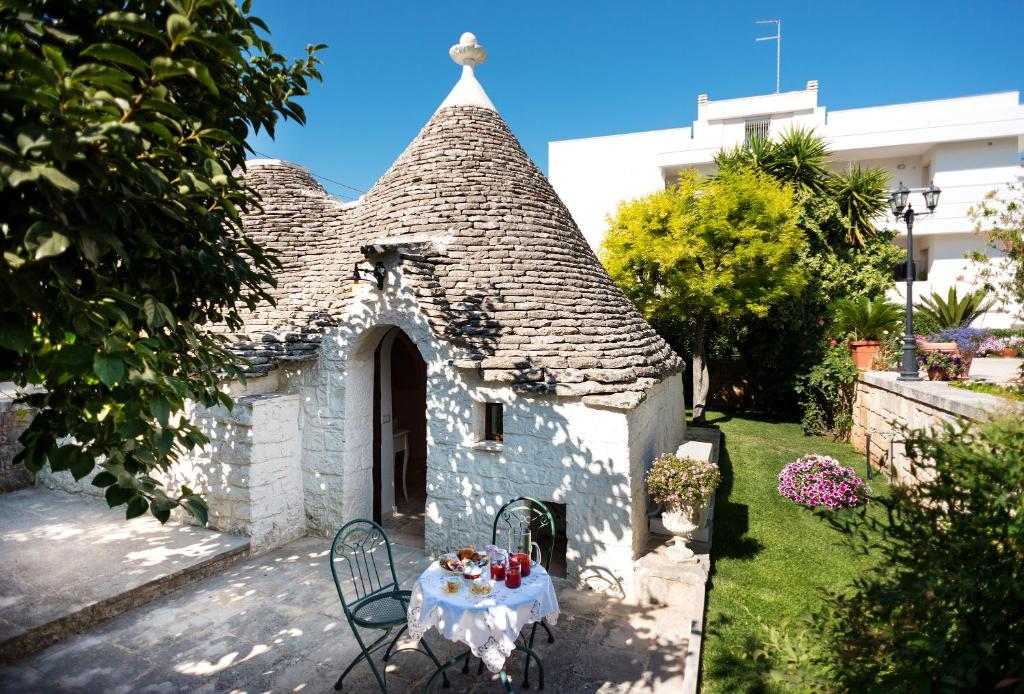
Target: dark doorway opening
[
  {"x": 558, "y": 561},
  {"x": 400, "y": 484}
]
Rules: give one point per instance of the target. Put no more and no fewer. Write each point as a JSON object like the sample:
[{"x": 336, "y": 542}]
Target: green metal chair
[
  {"x": 515, "y": 520},
  {"x": 522, "y": 516},
  {"x": 364, "y": 574}
]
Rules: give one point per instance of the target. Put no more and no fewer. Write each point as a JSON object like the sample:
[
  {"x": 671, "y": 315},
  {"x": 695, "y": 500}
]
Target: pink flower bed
[{"x": 818, "y": 480}]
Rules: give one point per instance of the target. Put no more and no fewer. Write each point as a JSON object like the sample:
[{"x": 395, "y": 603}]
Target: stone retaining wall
[
  {"x": 883, "y": 405},
  {"x": 14, "y": 419}
]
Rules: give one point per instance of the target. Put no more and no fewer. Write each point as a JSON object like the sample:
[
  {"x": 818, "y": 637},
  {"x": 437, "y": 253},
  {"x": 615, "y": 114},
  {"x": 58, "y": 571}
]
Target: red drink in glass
[
  {"x": 513, "y": 575},
  {"x": 524, "y": 562},
  {"x": 497, "y": 570}
]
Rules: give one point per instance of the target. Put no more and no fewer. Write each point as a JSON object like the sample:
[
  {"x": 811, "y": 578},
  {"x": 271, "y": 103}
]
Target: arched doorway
[{"x": 400, "y": 437}]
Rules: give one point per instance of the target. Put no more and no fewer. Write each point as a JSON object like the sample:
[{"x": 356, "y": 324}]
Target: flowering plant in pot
[
  {"x": 943, "y": 365},
  {"x": 683, "y": 487},
  {"x": 867, "y": 323},
  {"x": 821, "y": 481},
  {"x": 1013, "y": 346},
  {"x": 968, "y": 343}
]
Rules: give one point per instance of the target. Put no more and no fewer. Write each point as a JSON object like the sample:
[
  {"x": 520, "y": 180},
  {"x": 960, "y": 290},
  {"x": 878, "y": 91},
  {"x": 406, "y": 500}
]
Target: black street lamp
[{"x": 901, "y": 208}]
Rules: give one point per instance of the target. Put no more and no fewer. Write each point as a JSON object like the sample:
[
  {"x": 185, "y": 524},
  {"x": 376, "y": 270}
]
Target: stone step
[{"x": 69, "y": 563}]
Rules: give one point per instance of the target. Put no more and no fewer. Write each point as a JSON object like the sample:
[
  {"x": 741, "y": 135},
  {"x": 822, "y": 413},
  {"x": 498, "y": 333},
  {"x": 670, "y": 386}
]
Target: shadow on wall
[{"x": 553, "y": 451}]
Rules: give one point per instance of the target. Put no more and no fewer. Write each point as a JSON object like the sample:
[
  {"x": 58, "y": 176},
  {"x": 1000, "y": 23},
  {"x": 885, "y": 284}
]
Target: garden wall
[
  {"x": 14, "y": 419},
  {"x": 883, "y": 405},
  {"x": 249, "y": 473}
]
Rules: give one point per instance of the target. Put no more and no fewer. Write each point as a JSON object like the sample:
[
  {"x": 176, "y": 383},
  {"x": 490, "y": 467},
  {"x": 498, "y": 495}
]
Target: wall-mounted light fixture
[{"x": 378, "y": 272}]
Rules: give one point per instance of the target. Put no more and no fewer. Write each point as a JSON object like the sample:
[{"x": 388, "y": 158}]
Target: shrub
[
  {"x": 673, "y": 480},
  {"x": 943, "y": 609},
  {"x": 952, "y": 311},
  {"x": 820, "y": 481},
  {"x": 826, "y": 394},
  {"x": 865, "y": 319},
  {"x": 968, "y": 340}
]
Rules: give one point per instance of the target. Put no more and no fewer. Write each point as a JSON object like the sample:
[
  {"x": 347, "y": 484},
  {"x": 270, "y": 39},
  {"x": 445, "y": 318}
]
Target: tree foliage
[
  {"x": 999, "y": 218},
  {"x": 800, "y": 158},
  {"x": 123, "y": 125},
  {"x": 722, "y": 248}
]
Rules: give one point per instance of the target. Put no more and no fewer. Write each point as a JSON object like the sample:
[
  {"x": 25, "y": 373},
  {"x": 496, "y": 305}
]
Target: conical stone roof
[{"x": 497, "y": 263}]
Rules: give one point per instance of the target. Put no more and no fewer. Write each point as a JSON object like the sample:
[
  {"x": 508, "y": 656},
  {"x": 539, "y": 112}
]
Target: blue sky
[{"x": 560, "y": 70}]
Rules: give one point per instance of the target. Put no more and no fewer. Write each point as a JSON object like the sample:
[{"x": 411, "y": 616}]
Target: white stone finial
[
  {"x": 467, "y": 51},
  {"x": 467, "y": 91}
]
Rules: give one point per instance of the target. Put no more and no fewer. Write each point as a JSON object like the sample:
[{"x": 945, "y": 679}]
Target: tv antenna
[{"x": 778, "y": 47}]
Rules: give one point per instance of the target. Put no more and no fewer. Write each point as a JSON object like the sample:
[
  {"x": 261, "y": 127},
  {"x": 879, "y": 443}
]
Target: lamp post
[{"x": 901, "y": 208}]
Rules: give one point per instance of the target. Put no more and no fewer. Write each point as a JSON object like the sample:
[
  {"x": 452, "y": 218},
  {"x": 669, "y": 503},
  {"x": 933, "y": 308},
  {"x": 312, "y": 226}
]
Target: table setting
[{"x": 483, "y": 599}]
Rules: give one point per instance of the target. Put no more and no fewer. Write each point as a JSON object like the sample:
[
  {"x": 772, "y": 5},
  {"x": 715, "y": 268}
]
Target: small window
[
  {"x": 494, "y": 429},
  {"x": 755, "y": 129}
]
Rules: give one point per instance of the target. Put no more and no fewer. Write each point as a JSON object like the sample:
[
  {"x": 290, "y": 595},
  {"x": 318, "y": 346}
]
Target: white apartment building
[{"x": 967, "y": 146}]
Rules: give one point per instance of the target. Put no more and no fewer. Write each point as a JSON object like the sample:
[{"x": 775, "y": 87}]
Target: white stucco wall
[
  {"x": 249, "y": 473},
  {"x": 656, "y": 426},
  {"x": 968, "y": 146}
]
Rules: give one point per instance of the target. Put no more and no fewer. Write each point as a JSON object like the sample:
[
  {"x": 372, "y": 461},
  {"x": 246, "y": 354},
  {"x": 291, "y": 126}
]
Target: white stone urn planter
[{"x": 683, "y": 521}]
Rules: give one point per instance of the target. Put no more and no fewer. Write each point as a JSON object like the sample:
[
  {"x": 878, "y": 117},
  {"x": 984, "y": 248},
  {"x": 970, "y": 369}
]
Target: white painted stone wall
[
  {"x": 296, "y": 453},
  {"x": 656, "y": 426},
  {"x": 249, "y": 473}
]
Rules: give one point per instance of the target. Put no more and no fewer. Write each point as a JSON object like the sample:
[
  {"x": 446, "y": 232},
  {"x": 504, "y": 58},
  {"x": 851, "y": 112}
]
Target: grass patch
[
  {"x": 1008, "y": 392},
  {"x": 769, "y": 556}
]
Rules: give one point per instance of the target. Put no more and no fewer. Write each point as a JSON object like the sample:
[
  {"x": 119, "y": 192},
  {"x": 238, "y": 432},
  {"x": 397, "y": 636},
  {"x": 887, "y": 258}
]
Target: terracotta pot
[
  {"x": 864, "y": 352},
  {"x": 1008, "y": 352},
  {"x": 937, "y": 373}
]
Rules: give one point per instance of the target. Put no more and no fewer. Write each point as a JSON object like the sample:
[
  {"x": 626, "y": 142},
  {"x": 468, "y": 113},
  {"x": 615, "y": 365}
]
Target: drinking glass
[{"x": 513, "y": 575}]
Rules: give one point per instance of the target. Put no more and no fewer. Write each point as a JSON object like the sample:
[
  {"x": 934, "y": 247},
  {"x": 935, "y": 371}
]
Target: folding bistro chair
[
  {"x": 364, "y": 574},
  {"x": 517, "y": 520}
]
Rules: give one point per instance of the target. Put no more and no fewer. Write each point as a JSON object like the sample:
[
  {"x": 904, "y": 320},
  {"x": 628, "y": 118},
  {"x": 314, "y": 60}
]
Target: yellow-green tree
[{"x": 725, "y": 247}]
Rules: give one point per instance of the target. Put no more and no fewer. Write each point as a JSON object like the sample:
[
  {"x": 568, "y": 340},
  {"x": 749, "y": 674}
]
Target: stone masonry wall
[
  {"x": 14, "y": 419},
  {"x": 249, "y": 473},
  {"x": 884, "y": 404}
]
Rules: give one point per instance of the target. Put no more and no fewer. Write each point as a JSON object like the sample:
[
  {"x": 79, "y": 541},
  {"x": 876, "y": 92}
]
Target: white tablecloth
[{"x": 490, "y": 625}]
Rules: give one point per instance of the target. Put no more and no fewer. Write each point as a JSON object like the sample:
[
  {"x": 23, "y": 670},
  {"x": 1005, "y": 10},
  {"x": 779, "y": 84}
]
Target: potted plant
[
  {"x": 867, "y": 322},
  {"x": 942, "y": 364},
  {"x": 966, "y": 342},
  {"x": 683, "y": 486},
  {"x": 1012, "y": 346}
]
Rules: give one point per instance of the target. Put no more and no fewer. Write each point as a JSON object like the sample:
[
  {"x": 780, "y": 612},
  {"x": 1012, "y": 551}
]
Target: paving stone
[{"x": 234, "y": 633}]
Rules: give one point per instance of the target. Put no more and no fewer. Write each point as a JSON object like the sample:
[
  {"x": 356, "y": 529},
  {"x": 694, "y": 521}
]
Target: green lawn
[{"x": 769, "y": 555}]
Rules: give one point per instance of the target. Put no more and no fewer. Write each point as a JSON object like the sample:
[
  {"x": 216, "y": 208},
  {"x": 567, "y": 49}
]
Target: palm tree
[
  {"x": 799, "y": 157},
  {"x": 862, "y": 195},
  {"x": 954, "y": 312},
  {"x": 866, "y": 319}
]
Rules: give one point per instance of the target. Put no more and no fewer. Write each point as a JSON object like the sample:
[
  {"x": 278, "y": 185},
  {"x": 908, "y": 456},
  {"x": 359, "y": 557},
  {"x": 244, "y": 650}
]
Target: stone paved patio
[
  {"x": 67, "y": 562},
  {"x": 274, "y": 623}
]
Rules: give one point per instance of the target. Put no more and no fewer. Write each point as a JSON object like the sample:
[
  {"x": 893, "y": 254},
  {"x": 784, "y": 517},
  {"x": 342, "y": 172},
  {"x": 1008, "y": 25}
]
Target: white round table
[{"x": 488, "y": 625}]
